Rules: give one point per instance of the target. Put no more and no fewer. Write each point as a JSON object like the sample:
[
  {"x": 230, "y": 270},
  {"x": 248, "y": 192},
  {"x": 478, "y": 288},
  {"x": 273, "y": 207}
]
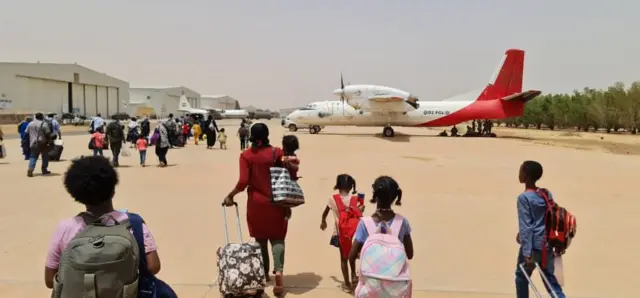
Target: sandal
[
  {"x": 278, "y": 288},
  {"x": 346, "y": 289},
  {"x": 354, "y": 281}
]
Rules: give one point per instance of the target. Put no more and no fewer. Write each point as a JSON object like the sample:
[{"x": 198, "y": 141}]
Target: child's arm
[
  {"x": 408, "y": 243},
  {"x": 323, "y": 223},
  {"x": 358, "y": 240}
]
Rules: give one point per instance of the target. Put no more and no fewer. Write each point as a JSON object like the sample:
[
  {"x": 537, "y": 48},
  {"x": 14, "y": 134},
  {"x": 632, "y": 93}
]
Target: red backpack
[
  {"x": 349, "y": 216},
  {"x": 559, "y": 223}
]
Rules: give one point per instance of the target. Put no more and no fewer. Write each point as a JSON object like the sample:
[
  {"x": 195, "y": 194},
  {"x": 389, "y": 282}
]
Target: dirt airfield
[{"x": 459, "y": 196}]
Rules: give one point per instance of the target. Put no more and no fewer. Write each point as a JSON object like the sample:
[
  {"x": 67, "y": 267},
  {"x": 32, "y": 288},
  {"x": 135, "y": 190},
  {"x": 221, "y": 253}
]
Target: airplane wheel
[
  {"x": 388, "y": 132},
  {"x": 314, "y": 129},
  {"x": 293, "y": 127}
]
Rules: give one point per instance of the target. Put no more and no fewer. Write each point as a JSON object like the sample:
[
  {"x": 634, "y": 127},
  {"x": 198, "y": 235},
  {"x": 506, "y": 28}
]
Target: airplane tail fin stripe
[
  {"x": 522, "y": 96},
  {"x": 508, "y": 79}
]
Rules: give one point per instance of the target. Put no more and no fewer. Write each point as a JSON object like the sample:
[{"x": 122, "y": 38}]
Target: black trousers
[
  {"x": 243, "y": 143},
  {"x": 162, "y": 153}
]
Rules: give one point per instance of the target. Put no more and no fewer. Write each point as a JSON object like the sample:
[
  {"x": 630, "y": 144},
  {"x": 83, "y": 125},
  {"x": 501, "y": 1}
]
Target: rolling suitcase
[
  {"x": 544, "y": 279},
  {"x": 240, "y": 265},
  {"x": 56, "y": 152}
]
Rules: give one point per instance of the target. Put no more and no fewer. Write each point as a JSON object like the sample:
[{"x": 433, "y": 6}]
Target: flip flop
[{"x": 346, "y": 289}]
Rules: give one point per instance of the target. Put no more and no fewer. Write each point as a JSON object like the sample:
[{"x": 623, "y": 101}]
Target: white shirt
[{"x": 133, "y": 124}]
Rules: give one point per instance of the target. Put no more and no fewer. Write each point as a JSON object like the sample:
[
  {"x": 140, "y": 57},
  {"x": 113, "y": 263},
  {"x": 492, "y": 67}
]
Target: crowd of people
[{"x": 92, "y": 180}]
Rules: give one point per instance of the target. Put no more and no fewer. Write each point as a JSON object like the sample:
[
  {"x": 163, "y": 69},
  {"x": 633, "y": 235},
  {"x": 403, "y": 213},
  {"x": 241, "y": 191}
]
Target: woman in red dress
[{"x": 267, "y": 222}]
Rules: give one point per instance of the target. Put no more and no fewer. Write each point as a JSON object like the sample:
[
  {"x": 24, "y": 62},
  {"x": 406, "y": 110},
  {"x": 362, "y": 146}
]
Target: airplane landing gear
[{"x": 388, "y": 132}]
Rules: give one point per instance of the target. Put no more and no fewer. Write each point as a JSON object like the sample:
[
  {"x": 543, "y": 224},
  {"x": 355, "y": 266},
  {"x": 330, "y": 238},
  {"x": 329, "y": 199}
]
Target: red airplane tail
[{"x": 508, "y": 77}]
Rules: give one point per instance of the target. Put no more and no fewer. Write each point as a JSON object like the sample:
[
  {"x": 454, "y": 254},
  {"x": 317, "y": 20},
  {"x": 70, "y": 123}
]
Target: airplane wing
[
  {"x": 388, "y": 103},
  {"x": 522, "y": 96}
]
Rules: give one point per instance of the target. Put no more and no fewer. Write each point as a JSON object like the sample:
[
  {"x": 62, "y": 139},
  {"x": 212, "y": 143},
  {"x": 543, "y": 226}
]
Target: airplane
[
  {"x": 373, "y": 105},
  {"x": 184, "y": 106}
]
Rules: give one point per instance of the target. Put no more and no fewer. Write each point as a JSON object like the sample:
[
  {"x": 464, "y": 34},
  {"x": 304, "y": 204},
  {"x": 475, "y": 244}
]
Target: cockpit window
[{"x": 306, "y": 109}]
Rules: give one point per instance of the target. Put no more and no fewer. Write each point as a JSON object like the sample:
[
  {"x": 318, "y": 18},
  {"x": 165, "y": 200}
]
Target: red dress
[{"x": 265, "y": 220}]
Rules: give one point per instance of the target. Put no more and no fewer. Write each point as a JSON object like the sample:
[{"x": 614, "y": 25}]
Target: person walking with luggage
[
  {"x": 343, "y": 239},
  {"x": 531, "y": 233},
  {"x": 267, "y": 222},
  {"x": 91, "y": 181},
  {"x": 40, "y": 140},
  {"x": 115, "y": 137}
]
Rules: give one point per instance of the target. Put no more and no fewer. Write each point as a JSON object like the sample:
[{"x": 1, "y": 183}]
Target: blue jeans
[
  {"x": 522, "y": 285},
  {"x": 143, "y": 156},
  {"x": 97, "y": 152},
  {"x": 33, "y": 159}
]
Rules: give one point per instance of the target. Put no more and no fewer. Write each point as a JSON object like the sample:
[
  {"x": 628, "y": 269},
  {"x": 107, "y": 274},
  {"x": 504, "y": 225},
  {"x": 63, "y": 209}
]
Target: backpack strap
[
  {"x": 90, "y": 219},
  {"x": 90, "y": 286},
  {"x": 370, "y": 225},
  {"x": 136, "y": 226},
  {"x": 354, "y": 202},
  {"x": 339, "y": 204},
  {"x": 396, "y": 225},
  {"x": 544, "y": 193}
]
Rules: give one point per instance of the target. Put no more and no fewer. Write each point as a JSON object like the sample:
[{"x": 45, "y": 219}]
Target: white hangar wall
[
  {"x": 219, "y": 102},
  {"x": 161, "y": 101},
  {"x": 60, "y": 88}
]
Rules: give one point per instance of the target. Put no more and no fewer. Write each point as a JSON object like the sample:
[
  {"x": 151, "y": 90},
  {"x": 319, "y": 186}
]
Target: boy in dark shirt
[{"x": 532, "y": 233}]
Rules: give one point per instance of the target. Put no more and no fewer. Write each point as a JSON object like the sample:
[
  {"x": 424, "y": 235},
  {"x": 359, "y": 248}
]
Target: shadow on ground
[
  {"x": 398, "y": 138},
  {"x": 301, "y": 283}
]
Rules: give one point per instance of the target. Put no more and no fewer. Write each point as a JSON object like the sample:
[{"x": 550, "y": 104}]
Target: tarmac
[{"x": 459, "y": 196}]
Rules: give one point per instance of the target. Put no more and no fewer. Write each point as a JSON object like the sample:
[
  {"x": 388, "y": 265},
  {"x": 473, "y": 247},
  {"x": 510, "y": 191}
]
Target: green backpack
[{"x": 100, "y": 261}]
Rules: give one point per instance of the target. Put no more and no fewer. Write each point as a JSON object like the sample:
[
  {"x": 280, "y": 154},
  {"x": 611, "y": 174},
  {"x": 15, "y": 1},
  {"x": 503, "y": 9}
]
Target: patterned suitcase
[{"x": 240, "y": 265}]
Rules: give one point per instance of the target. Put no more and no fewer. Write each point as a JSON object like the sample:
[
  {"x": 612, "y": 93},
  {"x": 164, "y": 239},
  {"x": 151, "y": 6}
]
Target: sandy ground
[{"x": 459, "y": 196}]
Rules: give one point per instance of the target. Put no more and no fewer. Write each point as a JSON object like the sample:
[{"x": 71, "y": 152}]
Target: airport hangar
[
  {"x": 223, "y": 102},
  {"x": 26, "y": 88},
  {"x": 159, "y": 101}
]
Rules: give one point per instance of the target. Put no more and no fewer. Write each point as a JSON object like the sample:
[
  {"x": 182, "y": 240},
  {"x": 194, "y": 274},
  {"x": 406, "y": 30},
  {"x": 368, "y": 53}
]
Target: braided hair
[
  {"x": 345, "y": 181},
  {"x": 385, "y": 191}
]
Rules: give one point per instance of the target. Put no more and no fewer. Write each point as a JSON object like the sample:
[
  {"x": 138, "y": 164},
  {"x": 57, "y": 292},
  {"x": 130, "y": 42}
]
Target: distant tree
[{"x": 611, "y": 109}]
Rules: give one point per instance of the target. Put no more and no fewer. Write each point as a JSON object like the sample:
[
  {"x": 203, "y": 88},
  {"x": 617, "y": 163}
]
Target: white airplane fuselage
[{"x": 339, "y": 113}]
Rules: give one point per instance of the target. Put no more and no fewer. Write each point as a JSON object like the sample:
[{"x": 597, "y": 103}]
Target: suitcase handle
[
  {"x": 226, "y": 229},
  {"x": 544, "y": 279}
]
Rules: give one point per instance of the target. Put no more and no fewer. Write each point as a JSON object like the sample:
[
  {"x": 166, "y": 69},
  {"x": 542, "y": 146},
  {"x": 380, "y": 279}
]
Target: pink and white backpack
[{"x": 384, "y": 267}]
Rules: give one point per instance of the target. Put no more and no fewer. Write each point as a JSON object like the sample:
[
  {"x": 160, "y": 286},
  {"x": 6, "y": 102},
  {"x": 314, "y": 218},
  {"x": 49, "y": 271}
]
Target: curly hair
[{"x": 91, "y": 180}]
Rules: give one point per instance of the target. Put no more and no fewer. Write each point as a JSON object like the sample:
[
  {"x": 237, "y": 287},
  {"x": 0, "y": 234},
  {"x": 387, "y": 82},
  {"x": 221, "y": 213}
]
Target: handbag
[
  {"x": 125, "y": 151},
  {"x": 284, "y": 191}
]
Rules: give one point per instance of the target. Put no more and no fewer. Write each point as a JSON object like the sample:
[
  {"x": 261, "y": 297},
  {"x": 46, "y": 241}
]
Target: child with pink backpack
[{"x": 383, "y": 243}]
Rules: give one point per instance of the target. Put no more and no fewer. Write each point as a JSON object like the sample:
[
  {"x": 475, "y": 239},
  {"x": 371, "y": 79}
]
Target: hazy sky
[{"x": 277, "y": 54}]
